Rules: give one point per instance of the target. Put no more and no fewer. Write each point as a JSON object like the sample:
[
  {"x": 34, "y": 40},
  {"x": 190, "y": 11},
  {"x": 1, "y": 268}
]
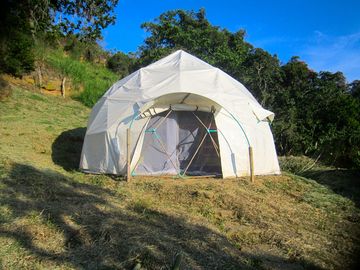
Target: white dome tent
[{"x": 179, "y": 116}]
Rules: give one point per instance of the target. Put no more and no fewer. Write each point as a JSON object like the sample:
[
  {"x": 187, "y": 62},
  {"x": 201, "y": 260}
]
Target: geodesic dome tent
[{"x": 179, "y": 116}]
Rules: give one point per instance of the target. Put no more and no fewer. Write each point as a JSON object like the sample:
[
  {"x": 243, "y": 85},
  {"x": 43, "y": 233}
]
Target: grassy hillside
[
  {"x": 93, "y": 79},
  {"x": 54, "y": 217},
  {"x": 84, "y": 81}
]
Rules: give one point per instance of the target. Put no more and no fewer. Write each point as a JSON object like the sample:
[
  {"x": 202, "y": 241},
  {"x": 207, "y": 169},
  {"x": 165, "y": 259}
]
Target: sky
[{"x": 325, "y": 34}]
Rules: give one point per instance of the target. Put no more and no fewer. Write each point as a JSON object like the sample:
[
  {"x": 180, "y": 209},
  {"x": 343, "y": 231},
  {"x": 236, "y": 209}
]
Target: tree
[
  {"x": 84, "y": 18},
  {"x": 263, "y": 75},
  {"x": 192, "y": 32},
  {"x": 354, "y": 89},
  {"x": 120, "y": 63},
  {"x": 290, "y": 105},
  {"x": 338, "y": 117},
  {"x": 16, "y": 55},
  {"x": 23, "y": 22}
]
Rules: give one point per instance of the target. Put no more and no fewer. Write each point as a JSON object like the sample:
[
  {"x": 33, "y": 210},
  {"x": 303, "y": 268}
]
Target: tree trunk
[{"x": 63, "y": 89}]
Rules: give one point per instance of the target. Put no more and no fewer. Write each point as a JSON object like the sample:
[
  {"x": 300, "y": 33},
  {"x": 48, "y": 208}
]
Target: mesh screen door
[{"x": 180, "y": 142}]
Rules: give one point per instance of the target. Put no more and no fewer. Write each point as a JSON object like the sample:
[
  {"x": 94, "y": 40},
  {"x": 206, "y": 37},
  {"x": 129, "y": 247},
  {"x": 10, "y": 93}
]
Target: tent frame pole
[
  {"x": 128, "y": 163},
  {"x": 251, "y": 159},
  {"x": 156, "y": 136},
  {"x": 207, "y": 130},
  {"x": 197, "y": 150},
  {"x": 166, "y": 116}
]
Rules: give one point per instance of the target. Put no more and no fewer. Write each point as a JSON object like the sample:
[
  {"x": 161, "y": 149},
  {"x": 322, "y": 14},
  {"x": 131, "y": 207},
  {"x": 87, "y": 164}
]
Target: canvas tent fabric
[{"x": 182, "y": 84}]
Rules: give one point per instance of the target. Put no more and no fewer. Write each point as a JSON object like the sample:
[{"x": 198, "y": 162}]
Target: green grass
[
  {"x": 54, "y": 217},
  {"x": 94, "y": 79}
]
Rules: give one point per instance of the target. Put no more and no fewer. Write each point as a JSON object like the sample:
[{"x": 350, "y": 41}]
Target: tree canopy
[
  {"x": 84, "y": 18},
  {"x": 22, "y": 23}
]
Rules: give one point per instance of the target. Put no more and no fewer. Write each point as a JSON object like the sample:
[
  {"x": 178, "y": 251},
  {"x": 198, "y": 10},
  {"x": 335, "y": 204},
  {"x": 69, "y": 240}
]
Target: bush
[
  {"x": 16, "y": 54},
  {"x": 120, "y": 63},
  {"x": 89, "y": 51}
]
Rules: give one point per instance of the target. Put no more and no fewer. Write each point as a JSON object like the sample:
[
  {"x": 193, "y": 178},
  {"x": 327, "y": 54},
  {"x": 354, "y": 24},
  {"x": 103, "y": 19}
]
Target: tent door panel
[
  {"x": 158, "y": 154},
  {"x": 179, "y": 142},
  {"x": 206, "y": 160}
]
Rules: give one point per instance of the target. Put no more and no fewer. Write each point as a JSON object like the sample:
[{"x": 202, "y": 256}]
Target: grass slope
[
  {"x": 54, "y": 217},
  {"x": 94, "y": 79}
]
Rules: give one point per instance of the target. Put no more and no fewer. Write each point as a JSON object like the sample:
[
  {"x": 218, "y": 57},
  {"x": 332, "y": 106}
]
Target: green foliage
[
  {"x": 120, "y": 64},
  {"x": 16, "y": 44},
  {"x": 94, "y": 79},
  {"x": 298, "y": 164},
  {"x": 81, "y": 50},
  {"x": 192, "y": 32},
  {"x": 296, "y": 85},
  {"x": 18, "y": 56},
  {"x": 23, "y": 23},
  {"x": 317, "y": 115},
  {"x": 354, "y": 89},
  {"x": 84, "y": 18},
  {"x": 263, "y": 75}
]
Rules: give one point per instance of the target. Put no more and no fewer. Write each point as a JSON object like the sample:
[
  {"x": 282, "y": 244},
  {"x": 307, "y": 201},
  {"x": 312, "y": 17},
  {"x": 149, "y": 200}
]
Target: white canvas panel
[
  {"x": 233, "y": 146},
  {"x": 99, "y": 156}
]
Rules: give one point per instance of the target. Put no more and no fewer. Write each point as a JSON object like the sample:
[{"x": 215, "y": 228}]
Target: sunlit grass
[{"x": 93, "y": 79}]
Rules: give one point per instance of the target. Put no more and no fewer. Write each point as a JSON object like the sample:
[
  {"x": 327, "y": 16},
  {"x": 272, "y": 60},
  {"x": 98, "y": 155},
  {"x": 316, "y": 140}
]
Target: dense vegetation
[
  {"x": 24, "y": 23},
  {"x": 317, "y": 113}
]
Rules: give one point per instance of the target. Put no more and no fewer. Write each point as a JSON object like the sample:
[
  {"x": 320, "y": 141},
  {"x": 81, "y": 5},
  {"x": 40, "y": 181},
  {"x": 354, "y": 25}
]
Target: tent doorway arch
[{"x": 180, "y": 143}]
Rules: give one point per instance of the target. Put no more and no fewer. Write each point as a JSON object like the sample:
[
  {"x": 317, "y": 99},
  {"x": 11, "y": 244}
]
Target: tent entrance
[{"x": 180, "y": 143}]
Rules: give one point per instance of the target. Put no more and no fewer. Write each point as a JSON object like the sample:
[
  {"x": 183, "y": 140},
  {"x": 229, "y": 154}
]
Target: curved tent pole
[
  {"x": 241, "y": 127},
  {"x": 251, "y": 156}
]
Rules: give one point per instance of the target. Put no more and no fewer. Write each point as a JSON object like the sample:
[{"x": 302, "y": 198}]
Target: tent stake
[
  {"x": 251, "y": 158},
  {"x": 128, "y": 172}
]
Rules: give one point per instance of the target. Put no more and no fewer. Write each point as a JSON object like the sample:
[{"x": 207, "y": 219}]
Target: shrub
[
  {"x": 120, "y": 63},
  {"x": 16, "y": 54}
]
